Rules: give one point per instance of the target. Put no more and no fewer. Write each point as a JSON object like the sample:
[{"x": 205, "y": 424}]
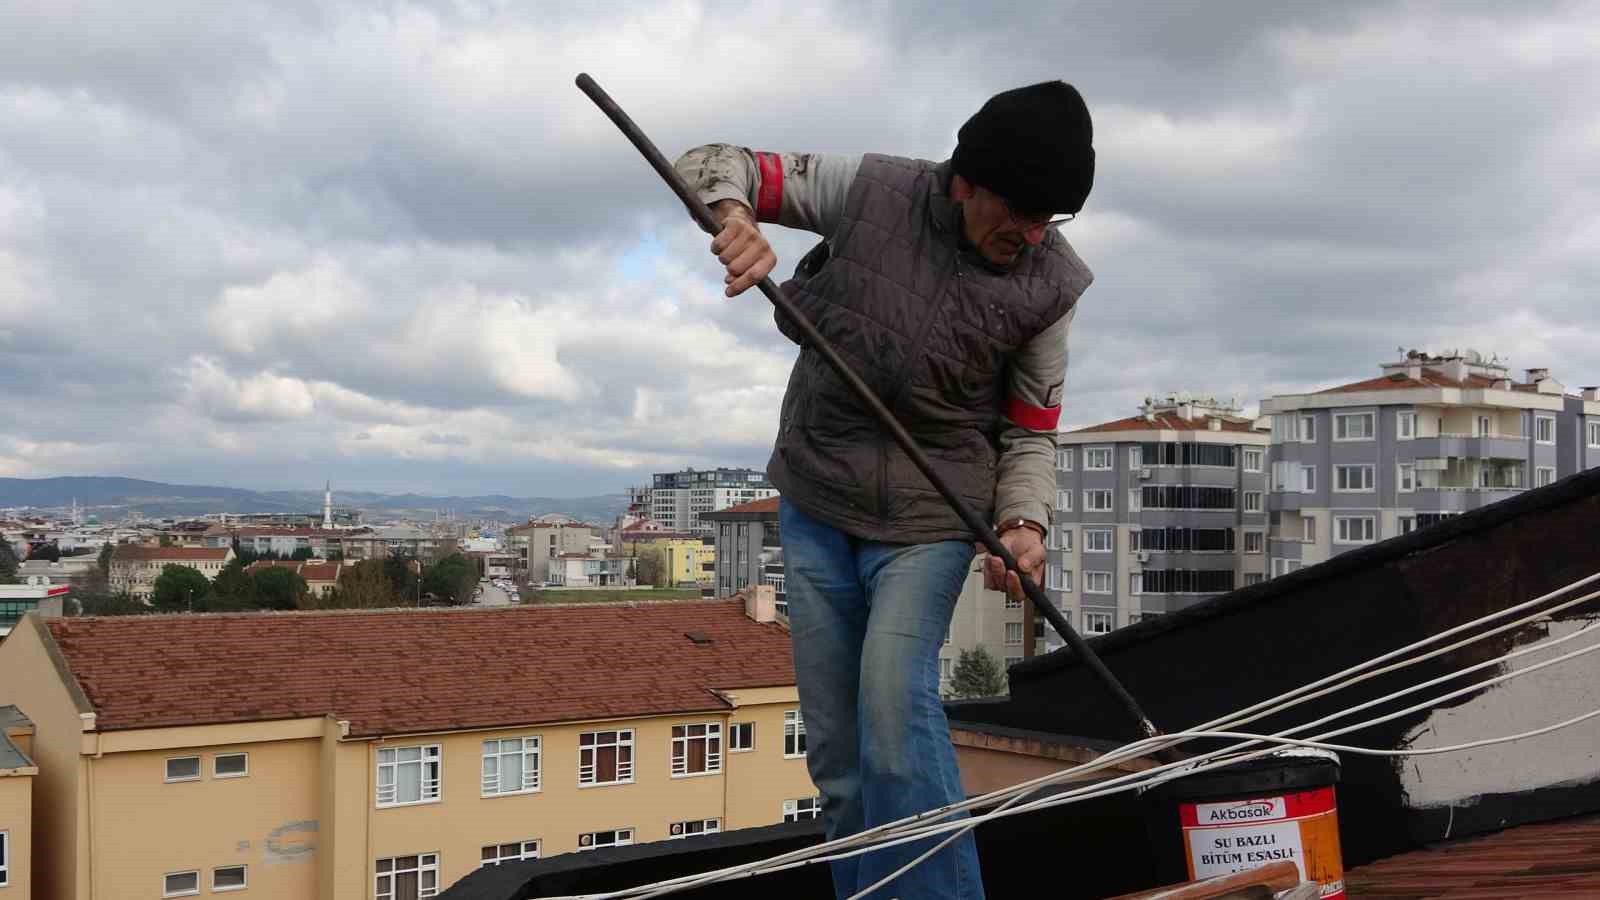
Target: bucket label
[{"x": 1238, "y": 835}]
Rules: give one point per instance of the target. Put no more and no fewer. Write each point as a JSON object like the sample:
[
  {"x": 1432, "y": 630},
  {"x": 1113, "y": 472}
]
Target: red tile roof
[
  {"x": 767, "y": 505},
  {"x": 1166, "y": 421},
  {"x": 145, "y": 552},
  {"x": 407, "y": 671},
  {"x": 1552, "y": 859},
  {"x": 1398, "y": 381},
  {"x": 327, "y": 571}
]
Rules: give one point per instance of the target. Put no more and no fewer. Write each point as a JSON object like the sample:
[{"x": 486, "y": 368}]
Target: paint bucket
[{"x": 1279, "y": 808}]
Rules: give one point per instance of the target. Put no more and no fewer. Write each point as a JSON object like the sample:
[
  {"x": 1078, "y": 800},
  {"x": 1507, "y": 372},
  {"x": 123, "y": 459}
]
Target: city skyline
[{"x": 393, "y": 246}]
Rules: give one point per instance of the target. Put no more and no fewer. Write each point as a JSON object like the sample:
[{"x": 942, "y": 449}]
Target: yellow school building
[{"x": 387, "y": 754}]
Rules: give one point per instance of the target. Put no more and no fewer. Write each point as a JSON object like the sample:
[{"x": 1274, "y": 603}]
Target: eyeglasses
[{"x": 1030, "y": 222}]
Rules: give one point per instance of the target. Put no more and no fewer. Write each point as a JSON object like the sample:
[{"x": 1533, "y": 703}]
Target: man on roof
[{"x": 949, "y": 289}]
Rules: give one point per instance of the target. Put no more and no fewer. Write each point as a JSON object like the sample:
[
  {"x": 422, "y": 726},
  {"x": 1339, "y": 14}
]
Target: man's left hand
[{"x": 1028, "y": 548}]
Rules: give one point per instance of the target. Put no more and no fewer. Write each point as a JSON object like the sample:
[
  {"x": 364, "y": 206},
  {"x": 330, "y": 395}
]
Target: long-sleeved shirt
[{"x": 815, "y": 187}]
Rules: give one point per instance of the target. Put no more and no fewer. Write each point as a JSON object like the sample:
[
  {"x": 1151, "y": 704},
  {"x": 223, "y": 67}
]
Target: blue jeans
[{"x": 867, "y": 620}]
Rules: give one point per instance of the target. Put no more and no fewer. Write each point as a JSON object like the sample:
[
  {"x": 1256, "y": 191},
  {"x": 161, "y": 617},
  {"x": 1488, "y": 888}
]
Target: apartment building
[
  {"x": 1155, "y": 513},
  {"x": 389, "y": 753},
  {"x": 679, "y": 499},
  {"x": 135, "y": 567},
  {"x": 987, "y": 619},
  {"x": 747, "y": 542},
  {"x": 1432, "y": 437},
  {"x": 17, "y": 772},
  {"x": 537, "y": 543},
  {"x": 36, "y": 592}
]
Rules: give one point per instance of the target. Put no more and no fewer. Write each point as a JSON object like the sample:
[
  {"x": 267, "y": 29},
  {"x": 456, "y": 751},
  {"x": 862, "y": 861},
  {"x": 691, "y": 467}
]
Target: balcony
[
  {"x": 1457, "y": 498},
  {"x": 1466, "y": 446}
]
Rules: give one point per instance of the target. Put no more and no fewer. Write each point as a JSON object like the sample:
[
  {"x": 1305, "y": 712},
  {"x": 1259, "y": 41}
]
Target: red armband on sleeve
[
  {"x": 1036, "y": 418},
  {"x": 769, "y": 200}
]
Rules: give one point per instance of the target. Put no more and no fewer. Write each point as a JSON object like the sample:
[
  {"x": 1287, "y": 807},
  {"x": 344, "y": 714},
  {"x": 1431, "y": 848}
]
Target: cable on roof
[{"x": 928, "y": 823}]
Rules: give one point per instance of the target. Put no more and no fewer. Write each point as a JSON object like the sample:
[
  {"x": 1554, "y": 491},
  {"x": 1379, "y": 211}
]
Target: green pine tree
[{"x": 978, "y": 674}]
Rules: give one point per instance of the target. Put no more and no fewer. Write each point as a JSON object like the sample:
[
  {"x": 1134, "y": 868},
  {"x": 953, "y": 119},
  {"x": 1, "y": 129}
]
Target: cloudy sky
[{"x": 389, "y": 243}]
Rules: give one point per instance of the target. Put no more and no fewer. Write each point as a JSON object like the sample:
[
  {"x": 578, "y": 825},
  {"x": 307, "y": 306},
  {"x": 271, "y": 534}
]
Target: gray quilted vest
[{"x": 930, "y": 326}]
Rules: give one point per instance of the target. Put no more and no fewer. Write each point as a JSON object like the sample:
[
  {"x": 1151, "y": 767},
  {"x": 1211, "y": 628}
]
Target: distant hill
[{"x": 113, "y": 498}]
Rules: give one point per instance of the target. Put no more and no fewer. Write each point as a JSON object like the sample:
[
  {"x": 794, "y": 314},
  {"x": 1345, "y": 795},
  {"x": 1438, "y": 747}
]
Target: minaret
[{"x": 327, "y": 505}]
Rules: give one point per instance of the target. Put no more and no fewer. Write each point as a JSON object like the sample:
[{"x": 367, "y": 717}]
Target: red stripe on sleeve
[
  {"x": 769, "y": 200},
  {"x": 1036, "y": 418}
]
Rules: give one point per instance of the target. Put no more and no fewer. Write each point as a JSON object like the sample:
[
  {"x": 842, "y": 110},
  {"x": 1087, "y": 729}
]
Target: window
[
  {"x": 1285, "y": 428},
  {"x": 1135, "y": 583},
  {"x": 1187, "y": 581},
  {"x": 794, "y": 734},
  {"x": 1254, "y": 542},
  {"x": 1544, "y": 475},
  {"x": 1253, "y": 578},
  {"x": 741, "y": 737},
  {"x": 1013, "y": 602},
  {"x": 230, "y": 765},
  {"x": 1066, "y": 539},
  {"x": 1064, "y": 459},
  {"x": 947, "y": 634},
  {"x": 1308, "y": 429},
  {"x": 1134, "y": 458},
  {"x": 1097, "y": 540},
  {"x": 696, "y": 749},
  {"x": 408, "y": 775},
  {"x": 1308, "y": 529},
  {"x": 183, "y": 768},
  {"x": 1405, "y": 425},
  {"x": 693, "y": 827},
  {"x": 1408, "y": 524},
  {"x": 1308, "y": 479},
  {"x": 1135, "y": 539},
  {"x": 1013, "y": 632},
  {"x": 1098, "y": 622},
  {"x": 804, "y": 808},
  {"x": 1594, "y": 434},
  {"x": 1176, "y": 454},
  {"x": 1135, "y": 496},
  {"x": 1252, "y": 501},
  {"x": 180, "y": 884},
  {"x": 1406, "y": 479},
  {"x": 1066, "y": 581},
  {"x": 605, "y": 757},
  {"x": 495, "y": 854},
  {"x": 1284, "y": 566},
  {"x": 1097, "y": 582},
  {"x": 1485, "y": 426},
  {"x": 595, "y": 840},
  {"x": 1353, "y": 427},
  {"x": 946, "y": 668},
  {"x": 1064, "y": 500},
  {"x": 1354, "y": 529},
  {"x": 228, "y": 878},
  {"x": 1097, "y": 501},
  {"x": 1252, "y": 460},
  {"x": 510, "y": 766},
  {"x": 1352, "y": 479},
  {"x": 1178, "y": 496},
  {"x": 1544, "y": 429},
  {"x": 1038, "y": 628},
  {"x": 5, "y": 858},
  {"x": 1097, "y": 459}
]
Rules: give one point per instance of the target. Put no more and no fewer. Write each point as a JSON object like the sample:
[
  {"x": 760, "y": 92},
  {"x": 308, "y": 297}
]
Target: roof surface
[
  {"x": 765, "y": 505},
  {"x": 1399, "y": 381},
  {"x": 1552, "y": 859},
  {"x": 404, "y": 671},
  {"x": 10, "y": 756},
  {"x": 1167, "y": 421},
  {"x": 136, "y": 552}
]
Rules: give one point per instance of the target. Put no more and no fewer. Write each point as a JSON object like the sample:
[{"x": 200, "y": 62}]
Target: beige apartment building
[
  {"x": 135, "y": 567},
  {"x": 16, "y": 804},
  {"x": 387, "y": 754}
]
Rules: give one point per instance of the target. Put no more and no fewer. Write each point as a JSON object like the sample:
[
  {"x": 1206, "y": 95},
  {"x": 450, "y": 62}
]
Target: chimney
[
  {"x": 761, "y": 602},
  {"x": 1592, "y": 394}
]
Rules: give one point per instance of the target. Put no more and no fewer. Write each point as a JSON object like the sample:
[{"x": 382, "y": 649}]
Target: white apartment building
[
  {"x": 135, "y": 567},
  {"x": 1154, "y": 513},
  {"x": 1432, "y": 437},
  {"x": 678, "y": 498}
]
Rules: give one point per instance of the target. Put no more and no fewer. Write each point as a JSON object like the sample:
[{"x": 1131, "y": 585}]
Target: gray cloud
[{"x": 390, "y": 243}]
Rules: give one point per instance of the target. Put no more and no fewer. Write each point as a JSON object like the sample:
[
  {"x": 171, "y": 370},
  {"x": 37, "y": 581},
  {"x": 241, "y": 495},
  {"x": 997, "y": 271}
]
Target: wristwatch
[{"x": 1019, "y": 522}]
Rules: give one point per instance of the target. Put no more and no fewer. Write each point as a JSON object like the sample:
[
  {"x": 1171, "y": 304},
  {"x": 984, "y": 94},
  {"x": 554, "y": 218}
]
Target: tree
[
  {"x": 280, "y": 588},
  {"x": 233, "y": 588},
  {"x": 180, "y": 589},
  {"x": 650, "y": 567},
  {"x": 978, "y": 674},
  {"x": 301, "y": 554},
  {"x": 364, "y": 585},
  {"x": 103, "y": 563},
  {"x": 8, "y": 561},
  {"x": 402, "y": 577},
  {"x": 109, "y": 604},
  {"x": 92, "y": 590},
  {"x": 451, "y": 579}
]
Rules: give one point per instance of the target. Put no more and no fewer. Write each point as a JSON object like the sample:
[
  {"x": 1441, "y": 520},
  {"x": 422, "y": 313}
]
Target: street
[{"x": 492, "y": 596}]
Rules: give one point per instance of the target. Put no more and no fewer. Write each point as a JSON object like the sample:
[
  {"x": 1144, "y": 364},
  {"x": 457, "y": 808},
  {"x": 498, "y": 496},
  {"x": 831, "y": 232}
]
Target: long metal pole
[{"x": 986, "y": 533}]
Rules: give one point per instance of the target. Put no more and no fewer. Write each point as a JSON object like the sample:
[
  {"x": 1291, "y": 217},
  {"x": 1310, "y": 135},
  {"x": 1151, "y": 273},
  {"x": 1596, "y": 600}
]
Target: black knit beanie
[{"x": 1033, "y": 146}]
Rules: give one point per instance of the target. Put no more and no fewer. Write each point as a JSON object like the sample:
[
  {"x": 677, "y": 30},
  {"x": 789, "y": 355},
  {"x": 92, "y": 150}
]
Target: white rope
[{"x": 916, "y": 827}]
